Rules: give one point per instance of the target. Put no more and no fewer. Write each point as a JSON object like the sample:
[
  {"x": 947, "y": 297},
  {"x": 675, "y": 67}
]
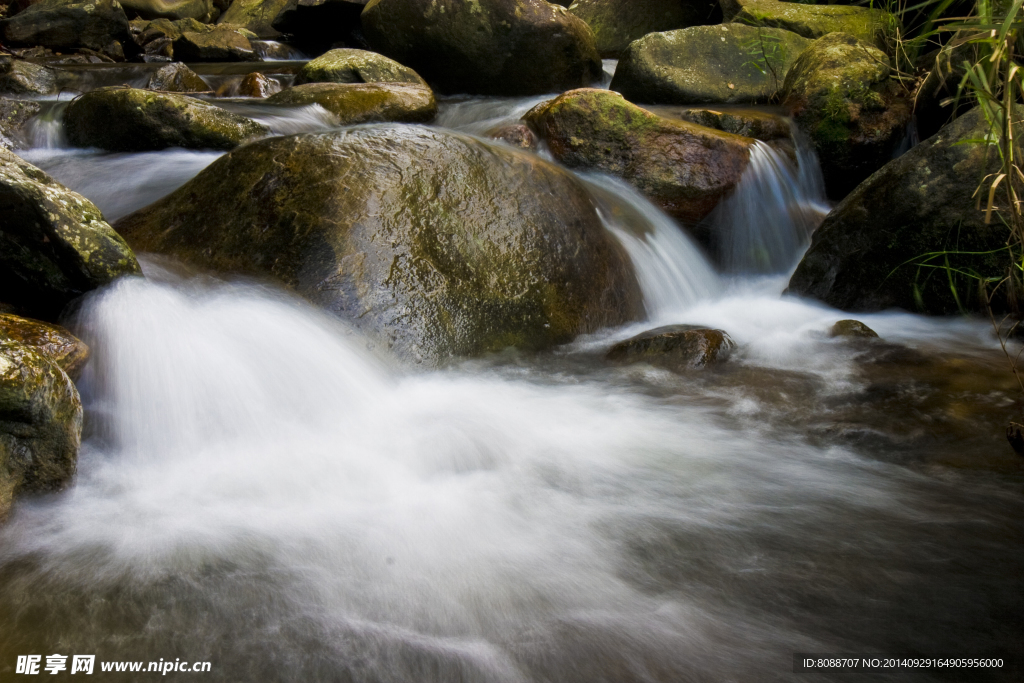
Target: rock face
[
  {"x": 60, "y": 346},
  {"x": 483, "y": 247},
  {"x": 871, "y": 26},
  {"x": 222, "y": 44},
  {"x": 40, "y": 423},
  {"x": 682, "y": 167},
  {"x": 13, "y": 115},
  {"x": 255, "y": 15},
  {"x": 60, "y": 24},
  {"x": 840, "y": 94},
  {"x": 863, "y": 256},
  {"x": 169, "y": 9},
  {"x": 147, "y": 120},
  {"x": 356, "y": 103},
  {"x": 19, "y": 77},
  {"x": 675, "y": 346},
  {"x": 54, "y": 244},
  {"x": 617, "y": 23},
  {"x": 177, "y": 78},
  {"x": 724, "y": 63},
  {"x": 356, "y": 66},
  {"x": 490, "y": 47}
]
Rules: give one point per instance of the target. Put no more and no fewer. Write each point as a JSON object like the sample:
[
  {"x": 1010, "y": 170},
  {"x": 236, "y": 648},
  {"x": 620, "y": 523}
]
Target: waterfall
[{"x": 46, "y": 130}]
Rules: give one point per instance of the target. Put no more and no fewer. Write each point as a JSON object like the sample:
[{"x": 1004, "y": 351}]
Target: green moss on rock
[
  {"x": 356, "y": 66},
  {"x": 872, "y": 26},
  {"x": 617, "y": 23},
  {"x": 364, "y": 102}
]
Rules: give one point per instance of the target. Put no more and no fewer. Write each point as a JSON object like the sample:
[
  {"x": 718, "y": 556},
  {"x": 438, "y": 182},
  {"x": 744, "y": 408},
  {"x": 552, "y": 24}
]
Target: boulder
[
  {"x": 257, "y": 85},
  {"x": 364, "y": 102},
  {"x": 19, "y": 77},
  {"x": 724, "y": 63},
  {"x": 222, "y": 44},
  {"x": 255, "y": 15},
  {"x": 617, "y": 23},
  {"x": 169, "y": 9},
  {"x": 873, "y": 26},
  {"x": 482, "y": 248},
  {"x": 675, "y": 346},
  {"x": 132, "y": 120},
  {"x": 64, "y": 24},
  {"x": 356, "y": 66},
  {"x": 517, "y": 135},
  {"x": 488, "y": 47},
  {"x": 40, "y": 423},
  {"x": 58, "y": 345},
  {"x": 840, "y": 94},
  {"x": 54, "y": 244},
  {"x": 865, "y": 255},
  {"x": 13, "y": 115},
  {"x": 177, "y": 78},
  {"x": 682, "y": 167}
]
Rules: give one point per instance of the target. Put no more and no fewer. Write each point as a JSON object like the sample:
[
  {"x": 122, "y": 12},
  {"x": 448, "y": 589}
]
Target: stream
[{"x": 259, "y": 490}]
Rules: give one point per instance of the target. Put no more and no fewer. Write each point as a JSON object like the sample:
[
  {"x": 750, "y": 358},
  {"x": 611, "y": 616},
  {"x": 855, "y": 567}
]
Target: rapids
[{"x": 258, "y": 490}]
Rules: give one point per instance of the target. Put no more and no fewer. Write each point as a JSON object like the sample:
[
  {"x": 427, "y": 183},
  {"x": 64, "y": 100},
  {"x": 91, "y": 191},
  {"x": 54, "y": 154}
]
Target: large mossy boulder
[
  {"x": 488, "y": 47},
  {"x": 682, "y": 167},
  {"x": 433, "y": 243},
  {"x": 617, "y": 23},
  {"x": 169, "y": 9},
  {"x": 14, "y": 114},
  {"x": 220, "y": 44},
  {"x": 873, "y": 26},
  {"x": 346, "y": 65},
  {"x": 708, "y": 64},
  {"x": 255, "y": 15},
  {"x": 65, "y": 24},
  {"x": 887, "y": 243},
  {"x": 133, "y": 120},
  {"x": 18, "y": 77},
  {"x": 54, "y": 244},
  {"x": 840, "y": 94},
  {"x": 356, "y": 103},
  {"x": 40, "y": 423}
]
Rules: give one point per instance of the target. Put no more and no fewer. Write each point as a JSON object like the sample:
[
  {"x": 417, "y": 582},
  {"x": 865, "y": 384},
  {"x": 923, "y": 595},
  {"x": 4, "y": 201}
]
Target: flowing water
[{"x": 259, "y": 491}]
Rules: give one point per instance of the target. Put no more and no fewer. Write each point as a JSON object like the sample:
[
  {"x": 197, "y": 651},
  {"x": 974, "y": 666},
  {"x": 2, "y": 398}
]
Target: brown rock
[
  {"x": 676, "y": 346},
  {"x": 63, "y": 348}
]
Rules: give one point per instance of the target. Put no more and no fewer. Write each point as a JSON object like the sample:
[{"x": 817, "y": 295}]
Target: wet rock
[
  {"x": 871, "y": 26},
  {"x": 169, "y": 9},
  {"x": 177, "y": 78},
  {"x": 864, "y": 256},
  {"x": 314, "y": 26},
  {"x": 682, "y": 167},
  {"x": 724, "y": 63},
  {"x": 257, "y": 85},
  {"x": 54, "y": 244},
  {"x": 617, "y": 23},
  {"x": 40, "y": 423},
  {"x": 58, "y": 345},
  {"x": 19, "y": 77},
  {"x": 147, "y": 120},
  {"x": 364, "y": 102},
  {"x": 676, "y": 346},
  {"x": 840, "y": 94},
  {"x": 13, "y": 115},
  {"x": 482, "y": 248},
  {"x": 517, "y": 135},
  {"x": 751, "y": 123},
  {"x": 851, "y": 328},
  {"x": 221, "y": 44},
  {"x": 64, "y": 24},
  {"x": 255, "y": 15},
  {"x": 356, "y": 66},
  {"x": 165, "y": 28},
  {"x": 489, "y": 47}
]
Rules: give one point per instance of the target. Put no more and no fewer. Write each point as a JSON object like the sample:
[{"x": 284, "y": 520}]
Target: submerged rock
[
  {"x": 840, "y": 94},
  {"x": 177, "y": 78},
  {"x": 364, "y": 102},
  {"x": 54, "y": 244},
  {"x": 147, "y": 120},
  {"x": 617, "y": 23},
  {"x": 40, "y": 423},
  {"x": 724, "y": 63},
  {"x": 356, "y": 66},
  {"x": 871, "y": 26},
  {"x": 222, "y": 44},
  {"x": 481, "y": 248},
  {"x": 682, "y": 167},
  {"x": 13, "y": 115},
  {"x": 517, "y": 135},
  {"x": 851, "y": 328},
  {"x": 60, "y": 346},
  {"x": 865, "y": 256},
  {"x": 488, "y": 47},
  {"x": 676, "y": 346},
  {"x": 63, "y": 24},
  {"x": 19, "y": 77}
]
